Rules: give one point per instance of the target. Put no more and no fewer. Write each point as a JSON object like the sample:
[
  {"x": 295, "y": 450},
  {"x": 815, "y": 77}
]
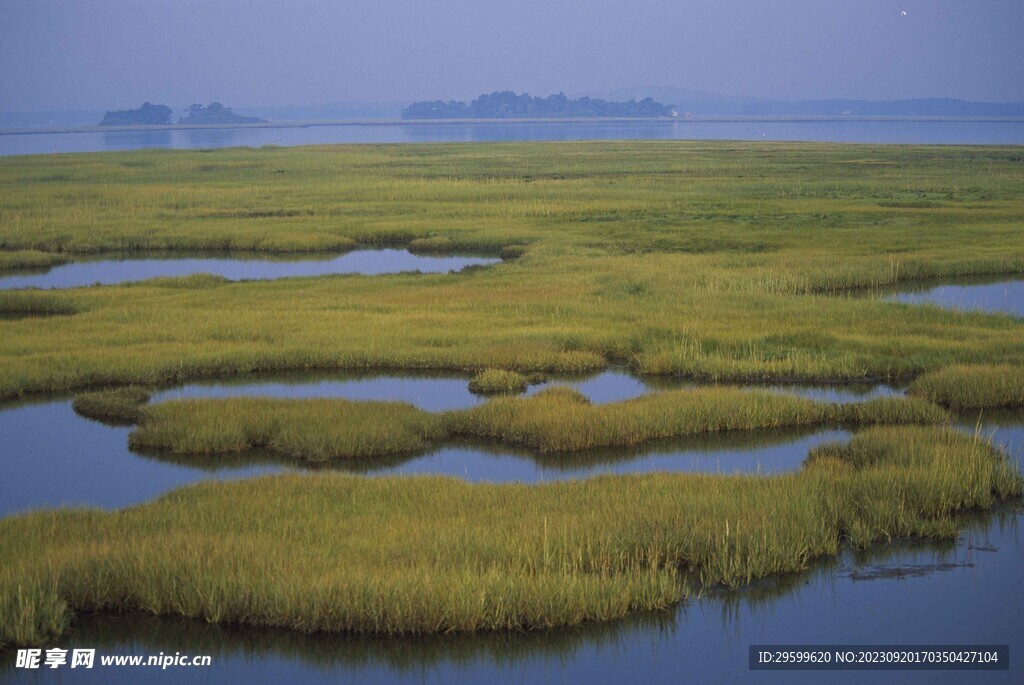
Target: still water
[
  {"x": 441, "y": 391},
  {"x": 995, "y": 295},
  {"x": 900, "y": 593},
  {"x": 53, "y": 457},
  {"x": 947, "y": 132},
  {"x": 85, "y": 272}
]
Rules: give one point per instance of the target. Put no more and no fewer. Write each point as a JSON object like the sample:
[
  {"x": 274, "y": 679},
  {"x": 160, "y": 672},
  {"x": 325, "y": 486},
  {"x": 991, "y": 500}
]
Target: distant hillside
[
  {"x": 508, "y": 105},
  {"x": 146, "y": 115},
  {"x": 215, "y": 113}
]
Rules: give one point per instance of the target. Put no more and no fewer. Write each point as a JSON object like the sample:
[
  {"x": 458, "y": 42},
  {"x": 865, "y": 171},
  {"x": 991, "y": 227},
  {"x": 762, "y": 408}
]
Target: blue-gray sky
[{"x": 104, "y": 54}]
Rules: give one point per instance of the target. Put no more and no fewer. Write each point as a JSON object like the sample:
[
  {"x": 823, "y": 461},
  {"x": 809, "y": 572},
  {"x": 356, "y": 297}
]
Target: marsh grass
[
  {"x": 117, "y": 407},
  {"x": 35, "y": 303},
  {"x": 560, "y": 419},
  {"x": 708, "y": 260},
  {"x": 498, "y": 382},
  {"x": 308, "y": 430},
  {"x": 556, "y": 420},
  {"x": 331, "y": 552},
  {"x": 28, "y": 259},
  {"x": 967, "y": 387}
]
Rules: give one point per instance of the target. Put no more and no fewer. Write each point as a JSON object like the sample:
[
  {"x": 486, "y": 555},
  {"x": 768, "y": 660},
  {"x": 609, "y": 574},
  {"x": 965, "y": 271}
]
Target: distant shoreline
[{"x": 524, "y": 120}]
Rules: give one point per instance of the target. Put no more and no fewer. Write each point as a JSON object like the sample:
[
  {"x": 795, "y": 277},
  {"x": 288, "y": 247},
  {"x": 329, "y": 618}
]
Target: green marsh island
[{"x": 722, "y": 264}]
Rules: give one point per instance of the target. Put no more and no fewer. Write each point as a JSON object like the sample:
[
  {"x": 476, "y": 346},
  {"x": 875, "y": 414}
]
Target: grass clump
[
  {"x": 28, "y": 259},
  {"x": 972, "y": 386},
  {"x": 118, "y": 407},
  {"x": 332, "y": 552},
  {"x": 513, "y": 251},
  {"x": 307, "y": 430},
  {"x": 557, "y": 419},
  {"x": 190, "y": 282},
  {"x": 18, "y": 303},
  {"x": 498, "y": 382},
  {"x": 430, "y": 244},
  {"x": 31, "y": 609},
  {"x": 561, "y": 420}
]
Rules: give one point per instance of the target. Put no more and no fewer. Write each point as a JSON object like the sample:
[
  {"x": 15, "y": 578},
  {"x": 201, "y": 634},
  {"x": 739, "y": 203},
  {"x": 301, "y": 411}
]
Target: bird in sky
[{"x": 903, "y": 13}]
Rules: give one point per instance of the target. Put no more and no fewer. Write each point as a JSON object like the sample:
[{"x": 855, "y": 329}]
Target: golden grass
[
  {"x": 28, "y": 259},
  {"x": 311, "y": 430},
  {"x": 330, "y": 552},
  {"x": 966, "y": 387},
  {"x": 699, "y": 259},
  {"x": 119, "y": 407},
  {"x": 498, "y": 382},
  {"x": 555, "y": 420}
]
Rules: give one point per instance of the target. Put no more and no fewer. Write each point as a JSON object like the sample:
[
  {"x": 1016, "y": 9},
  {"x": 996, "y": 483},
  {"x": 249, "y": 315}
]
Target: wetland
[{"x": 721, "y": 396}]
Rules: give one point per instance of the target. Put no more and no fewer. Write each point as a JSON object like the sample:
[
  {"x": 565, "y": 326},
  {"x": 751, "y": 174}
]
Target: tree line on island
[
  {"x": 508, "y": 105},
  {"x": 160, "y": 115}
]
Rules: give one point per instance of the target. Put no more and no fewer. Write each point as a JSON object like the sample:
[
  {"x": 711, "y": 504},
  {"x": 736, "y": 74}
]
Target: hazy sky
[{"x": 105, "y": 54}]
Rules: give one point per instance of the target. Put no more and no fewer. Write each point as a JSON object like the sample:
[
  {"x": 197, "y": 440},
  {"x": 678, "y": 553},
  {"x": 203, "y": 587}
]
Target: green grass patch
[
  {"x": 498, "y": 382},
  {"x": 967, "y": 387},
  {"x": 330, "y": 552},
  {"x": 118, "y": 407},
  {"x": 29, "y": 259},
  {"x": 702, "y": 259},
  {"x": 562, "y": 420},
  {"x": 22, "y": 303},
  {"x": 555, "y": 420},
  {"x": 307, "y": 430}
]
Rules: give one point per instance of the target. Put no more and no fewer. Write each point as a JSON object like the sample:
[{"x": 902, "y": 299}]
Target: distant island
[
  {"x": 215, "y": 113},
  {"x": 160, "y": 115},
  {"x": 147, "y": 115},
  {"x": 508, "y": 105}
]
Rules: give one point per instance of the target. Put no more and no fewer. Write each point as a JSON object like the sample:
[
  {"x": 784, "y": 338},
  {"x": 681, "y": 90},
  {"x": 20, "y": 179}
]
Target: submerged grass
[
  {"x": 329, "y": 552},
  {"x": 555, "y": 420},
  {"x": 967, "y": 387}
]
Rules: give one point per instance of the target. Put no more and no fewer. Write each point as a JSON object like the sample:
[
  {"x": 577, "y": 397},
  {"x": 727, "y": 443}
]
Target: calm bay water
[{"x": 946, "y": 132}]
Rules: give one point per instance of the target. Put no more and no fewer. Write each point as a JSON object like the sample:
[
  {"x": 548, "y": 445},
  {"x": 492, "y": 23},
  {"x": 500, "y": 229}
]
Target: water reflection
[
  {"x": 949, "y": 593},
  {"x": 236, "y": 267},
  {"x": 208, "y": 138},
  {"x": 441, "y": 390},
  {"x": 136, "y": 140},
  {"x": 992, "y": 295},
  {"x": 52, "y": 457},
  {"x": 947, "y": 132},
  {"x": 1004, "y": 427}
]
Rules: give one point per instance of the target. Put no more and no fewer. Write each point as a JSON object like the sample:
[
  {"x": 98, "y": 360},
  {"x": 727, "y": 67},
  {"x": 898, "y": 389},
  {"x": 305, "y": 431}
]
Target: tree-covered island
[
  {"x": 507, "y": 105},
  {"x": 146, "y": 115},
  {"x": 160, "y": 115}
]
